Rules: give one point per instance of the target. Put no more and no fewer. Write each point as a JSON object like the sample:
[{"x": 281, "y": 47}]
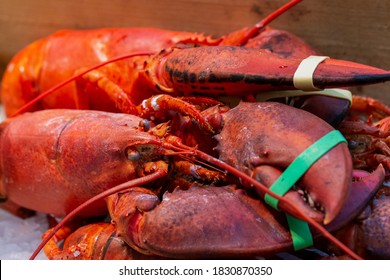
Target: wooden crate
[{"x": 355, "y": 30}]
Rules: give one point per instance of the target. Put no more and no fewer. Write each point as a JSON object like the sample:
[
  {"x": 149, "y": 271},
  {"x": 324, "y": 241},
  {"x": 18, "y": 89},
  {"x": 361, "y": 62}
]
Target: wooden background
[{"x": 357, "y": 30}]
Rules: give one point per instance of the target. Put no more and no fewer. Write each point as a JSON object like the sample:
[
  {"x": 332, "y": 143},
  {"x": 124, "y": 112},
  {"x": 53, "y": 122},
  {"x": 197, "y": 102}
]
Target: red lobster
[
  {"x": 367, "y": 131},
  {"x": 178, "y": 64},
  {"x": 71, "y": 166},
  {"x": 242, "y": 63},
  {"x": 366, "y": 128}
]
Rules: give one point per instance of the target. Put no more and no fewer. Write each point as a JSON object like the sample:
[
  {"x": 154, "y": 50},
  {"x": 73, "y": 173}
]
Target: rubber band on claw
[{"x": 300, "y": 232}]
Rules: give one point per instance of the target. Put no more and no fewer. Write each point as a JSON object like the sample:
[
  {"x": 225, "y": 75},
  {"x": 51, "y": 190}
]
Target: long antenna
[{"x": 236, "y": 38}]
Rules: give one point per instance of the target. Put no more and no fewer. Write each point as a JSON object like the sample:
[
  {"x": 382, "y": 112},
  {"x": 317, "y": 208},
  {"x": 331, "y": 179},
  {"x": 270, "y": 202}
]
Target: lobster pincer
[
  {"x": 201, "y": 222},
  {"x": 238, "y": 71},
  {"x": 266, "y": 134}
]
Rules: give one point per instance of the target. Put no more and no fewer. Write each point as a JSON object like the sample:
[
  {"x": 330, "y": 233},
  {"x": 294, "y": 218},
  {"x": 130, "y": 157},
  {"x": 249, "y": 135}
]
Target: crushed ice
[{"x": 19, "y": 237}]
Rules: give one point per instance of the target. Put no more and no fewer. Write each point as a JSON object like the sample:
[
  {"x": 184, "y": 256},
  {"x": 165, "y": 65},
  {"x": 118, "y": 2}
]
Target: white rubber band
[
  {"x": 303, "y": 76},
  {"x": 332, "y": 92}
]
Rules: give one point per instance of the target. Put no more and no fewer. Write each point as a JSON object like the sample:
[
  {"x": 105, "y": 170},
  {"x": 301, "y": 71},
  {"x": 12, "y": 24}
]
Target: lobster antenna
[
  {"x": 124, "y": 186},
  {"x": 255, "y": 30},
  {"x": 73, "y": 78},
  {"x": 268, "y": 19},
  {"x": 257, "y": 184}
]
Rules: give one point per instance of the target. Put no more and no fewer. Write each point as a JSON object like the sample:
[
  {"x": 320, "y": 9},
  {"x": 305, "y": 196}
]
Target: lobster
[
  {"x": 369, "y": 233},
  {"x": 102, "y": 240},
  {"x": 367, "y": 130},
  {"x": 366, "y": 127},
  {"x": 71, "y": 166},
  {"x": 169, "y": 64}
]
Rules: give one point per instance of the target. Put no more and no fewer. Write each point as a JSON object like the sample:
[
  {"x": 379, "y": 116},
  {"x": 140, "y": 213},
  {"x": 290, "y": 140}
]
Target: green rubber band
[
  {"x": 302, "y": 163},
  {"x": 300, "y": 232}
]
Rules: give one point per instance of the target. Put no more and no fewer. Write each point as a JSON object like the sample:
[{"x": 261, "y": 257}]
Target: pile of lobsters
[{"x": 149, "y": 143}]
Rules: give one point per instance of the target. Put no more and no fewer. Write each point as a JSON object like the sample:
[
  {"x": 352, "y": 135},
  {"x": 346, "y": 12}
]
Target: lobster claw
[
  {"x": 281, "y": 42},
  {"x": 201, "y": 222},
  {"x": 364, "y": 187},
  {"x": 241, "y": 71},
  {"x": 273, "y": 134}
]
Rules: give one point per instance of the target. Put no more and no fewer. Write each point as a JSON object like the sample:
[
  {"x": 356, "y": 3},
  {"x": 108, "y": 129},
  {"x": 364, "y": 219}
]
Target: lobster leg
[
  {"x": 91, "y": 242},
  {"x": 51, "y": 248},
  {"x": 157, "y": 107},
  {"x": 369, "y": 105},
  {"x": 198, "y": 172},
  {"x": 95, "y": 82}
]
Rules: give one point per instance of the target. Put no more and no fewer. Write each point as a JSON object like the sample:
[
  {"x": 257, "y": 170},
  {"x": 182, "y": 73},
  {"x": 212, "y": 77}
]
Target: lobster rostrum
[{"x": 242, "y": 63}]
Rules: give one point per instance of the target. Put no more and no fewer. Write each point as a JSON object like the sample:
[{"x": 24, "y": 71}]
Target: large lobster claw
[
  {"x": 273, "y": 134},
  {"x": 201, "y": 222},
  {"x": 239, "y": 71}
]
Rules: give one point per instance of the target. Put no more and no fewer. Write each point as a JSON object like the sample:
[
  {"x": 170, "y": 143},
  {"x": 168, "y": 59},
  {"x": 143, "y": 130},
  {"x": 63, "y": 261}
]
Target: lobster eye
[
  {"x": 353, "y": 144},
  {"x": 145, "y": 124},
  {"x": 132, "y": 154},
  {"x": 358, "y": 145}
]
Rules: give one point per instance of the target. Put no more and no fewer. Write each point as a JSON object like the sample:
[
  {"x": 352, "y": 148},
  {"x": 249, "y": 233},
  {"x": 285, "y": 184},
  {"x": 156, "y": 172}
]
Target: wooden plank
[{"x": 355, "y": 30}]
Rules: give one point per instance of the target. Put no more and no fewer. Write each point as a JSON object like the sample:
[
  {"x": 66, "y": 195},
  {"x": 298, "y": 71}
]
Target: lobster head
[{"x": 72, "y": 150}]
